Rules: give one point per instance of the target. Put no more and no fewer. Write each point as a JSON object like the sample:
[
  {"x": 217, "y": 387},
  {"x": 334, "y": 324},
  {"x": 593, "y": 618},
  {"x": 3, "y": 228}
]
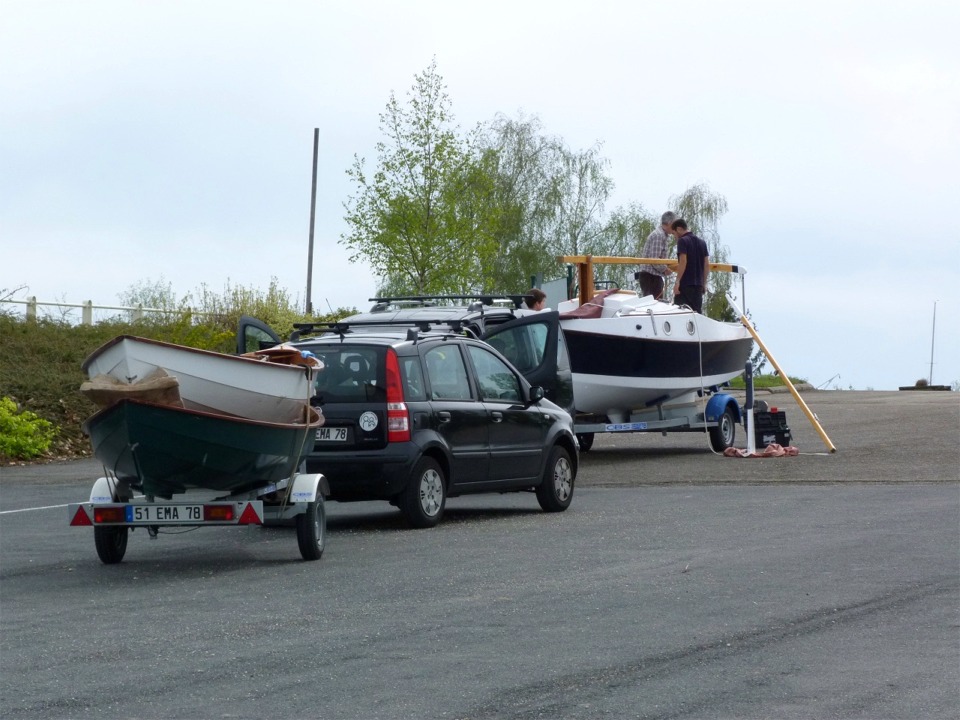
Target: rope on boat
[{"x": 703, "y": 390}]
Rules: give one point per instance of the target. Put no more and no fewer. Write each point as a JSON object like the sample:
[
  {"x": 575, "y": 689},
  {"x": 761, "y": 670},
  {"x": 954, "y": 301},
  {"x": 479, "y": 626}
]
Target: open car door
[
  {"x": 253, "y": 335},
  {"x": 534, "y": 345}
]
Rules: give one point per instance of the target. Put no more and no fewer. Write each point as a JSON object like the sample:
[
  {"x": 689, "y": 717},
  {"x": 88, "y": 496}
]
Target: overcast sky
[{"x": 172, "y": 141}]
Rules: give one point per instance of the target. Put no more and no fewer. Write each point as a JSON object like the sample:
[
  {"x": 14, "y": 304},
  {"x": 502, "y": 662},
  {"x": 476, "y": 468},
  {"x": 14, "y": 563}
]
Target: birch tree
[{"x": 417, "y": 219}]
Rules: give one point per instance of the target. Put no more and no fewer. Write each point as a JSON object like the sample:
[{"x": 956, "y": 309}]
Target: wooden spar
[
  {"x": 796, "y": 395},
  {"x": 585, "y": 265},
  {"x": 611, "y": 260}
]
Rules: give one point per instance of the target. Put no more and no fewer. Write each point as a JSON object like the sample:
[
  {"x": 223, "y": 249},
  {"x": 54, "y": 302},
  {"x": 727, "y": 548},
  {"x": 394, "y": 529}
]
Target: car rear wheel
[
  {"x": 556, "y": 489},
  {"x": 426, "y": 494}
]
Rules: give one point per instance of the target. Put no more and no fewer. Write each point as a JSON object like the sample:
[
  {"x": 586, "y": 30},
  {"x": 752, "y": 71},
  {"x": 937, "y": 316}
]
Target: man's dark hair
[
  {"x": 536, "y": 295},
  {"x": 679, "y": 224}
]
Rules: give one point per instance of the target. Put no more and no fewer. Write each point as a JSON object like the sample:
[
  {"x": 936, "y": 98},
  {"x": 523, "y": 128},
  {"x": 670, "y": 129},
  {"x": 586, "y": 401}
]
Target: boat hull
[
  {"x": 164, "y": 450},
  {"x": 648, "y": 355},
  {"x": 209, "y": 381}
]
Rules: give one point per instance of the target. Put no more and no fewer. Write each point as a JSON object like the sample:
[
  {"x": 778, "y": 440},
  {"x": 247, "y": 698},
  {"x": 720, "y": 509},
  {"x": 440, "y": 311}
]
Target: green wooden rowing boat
[{"x": 163, "y": 450}]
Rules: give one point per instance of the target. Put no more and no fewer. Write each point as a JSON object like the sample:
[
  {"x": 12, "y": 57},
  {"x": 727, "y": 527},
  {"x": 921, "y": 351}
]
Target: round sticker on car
[{"x": 369, "y": 422}]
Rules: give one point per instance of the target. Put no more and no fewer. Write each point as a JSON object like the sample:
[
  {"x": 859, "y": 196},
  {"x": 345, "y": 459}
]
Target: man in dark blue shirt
[{"x": 693, "y": 267}]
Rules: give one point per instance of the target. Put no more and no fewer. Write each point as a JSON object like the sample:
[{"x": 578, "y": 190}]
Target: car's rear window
[{"x": 350, "y": 374}]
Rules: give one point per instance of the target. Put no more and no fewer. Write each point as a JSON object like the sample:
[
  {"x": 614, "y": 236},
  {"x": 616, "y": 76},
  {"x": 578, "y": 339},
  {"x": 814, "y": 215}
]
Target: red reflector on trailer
[
  {"x": 81, "y": 517},
  {"x": 249, "y": 516},
  {"x": 220, "y": 513},
  {"x": 108, "y": 515}
]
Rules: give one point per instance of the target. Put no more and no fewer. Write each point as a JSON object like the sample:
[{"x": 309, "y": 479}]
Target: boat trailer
[
  {"x": 719, "y": 416},
  {"x": 113, "y": 511}
]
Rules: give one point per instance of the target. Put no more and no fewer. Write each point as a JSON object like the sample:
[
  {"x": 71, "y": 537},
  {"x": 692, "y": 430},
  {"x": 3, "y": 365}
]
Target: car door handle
[
  {"x": 443, "y": 416},
  {"x": 496, "y": 416}
]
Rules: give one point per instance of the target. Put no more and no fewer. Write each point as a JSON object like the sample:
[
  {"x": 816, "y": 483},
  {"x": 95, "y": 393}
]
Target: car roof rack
[
  {"x": 342, "y": 328},
  {"x": 301, "y": 329},
  {"x": 428, "y": 300}
]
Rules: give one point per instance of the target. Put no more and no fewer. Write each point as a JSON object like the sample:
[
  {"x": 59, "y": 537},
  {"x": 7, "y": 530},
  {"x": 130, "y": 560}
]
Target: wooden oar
[{"x": 796, "y": 395}]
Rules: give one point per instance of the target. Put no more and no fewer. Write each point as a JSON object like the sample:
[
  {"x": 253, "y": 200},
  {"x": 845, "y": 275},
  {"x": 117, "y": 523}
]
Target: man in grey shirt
[{"x": 651, "y": 276}]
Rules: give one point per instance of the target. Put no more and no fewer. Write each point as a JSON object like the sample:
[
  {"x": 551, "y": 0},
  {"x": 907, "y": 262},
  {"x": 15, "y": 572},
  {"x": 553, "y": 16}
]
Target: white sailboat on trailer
[{"x": 631, "y": 352}]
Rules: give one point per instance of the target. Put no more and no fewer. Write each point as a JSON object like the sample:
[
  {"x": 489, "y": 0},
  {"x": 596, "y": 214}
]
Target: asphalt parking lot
[
  {"x": 882, "y": 436},
  {"x": 887, "y": 437},
  {"x": 678, "y": 584}
]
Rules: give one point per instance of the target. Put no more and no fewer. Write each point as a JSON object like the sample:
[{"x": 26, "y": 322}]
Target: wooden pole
[{"x": 793, "y": 391}]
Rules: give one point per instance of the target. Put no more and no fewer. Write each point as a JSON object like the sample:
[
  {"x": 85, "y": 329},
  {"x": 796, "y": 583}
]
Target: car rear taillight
[{"x": 398, "y": 418}]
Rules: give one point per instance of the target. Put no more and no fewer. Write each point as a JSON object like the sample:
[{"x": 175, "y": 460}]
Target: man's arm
[
  {"x": 706, "y": 271},
  {"x": 681, "y": 266}
]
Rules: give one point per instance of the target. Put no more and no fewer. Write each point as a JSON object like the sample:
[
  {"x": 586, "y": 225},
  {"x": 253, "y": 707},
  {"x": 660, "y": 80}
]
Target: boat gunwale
[
  {"x": 198, "y": 351},
  {"x": 316, "y": 418}
]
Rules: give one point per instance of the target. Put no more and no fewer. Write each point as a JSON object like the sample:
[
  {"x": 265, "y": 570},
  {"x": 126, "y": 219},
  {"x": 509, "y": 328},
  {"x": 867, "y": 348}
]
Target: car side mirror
[{"x": 536, "y": 394}]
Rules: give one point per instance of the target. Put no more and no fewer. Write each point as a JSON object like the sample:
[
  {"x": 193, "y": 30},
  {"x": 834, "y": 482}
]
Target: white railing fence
[{"x": 137, "y": 312}]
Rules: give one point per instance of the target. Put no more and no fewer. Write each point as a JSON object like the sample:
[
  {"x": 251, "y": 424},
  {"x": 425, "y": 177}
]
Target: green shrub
[{"x": 23, "y": 435}]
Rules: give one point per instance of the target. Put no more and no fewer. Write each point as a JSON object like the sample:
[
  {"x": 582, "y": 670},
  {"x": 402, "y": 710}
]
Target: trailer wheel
[
  {"x": 555, "y": 491},
  {"x": 312, "y": 530},
  {"x": 723, "y": 435},
  {"x": 585, "y": 440},
  {"x": 111, "y": 542}
]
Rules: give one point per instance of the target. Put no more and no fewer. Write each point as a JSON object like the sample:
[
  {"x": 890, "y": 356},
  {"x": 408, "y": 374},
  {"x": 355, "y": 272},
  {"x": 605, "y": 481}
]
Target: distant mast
[{"x": 933, "y": 335}]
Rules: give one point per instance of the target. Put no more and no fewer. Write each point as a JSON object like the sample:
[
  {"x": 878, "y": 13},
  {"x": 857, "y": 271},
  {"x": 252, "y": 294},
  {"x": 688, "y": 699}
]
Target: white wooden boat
[
  {"x": 251, "y": 386},
  {"x": 631, "y": 352}
]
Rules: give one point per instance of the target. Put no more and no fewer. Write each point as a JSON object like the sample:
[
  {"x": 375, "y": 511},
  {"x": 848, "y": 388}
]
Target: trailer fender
[
  {"x": 718, "y": 403},
  {"x": 108, "y": 490},
  {"x": 308, "y": 488}
]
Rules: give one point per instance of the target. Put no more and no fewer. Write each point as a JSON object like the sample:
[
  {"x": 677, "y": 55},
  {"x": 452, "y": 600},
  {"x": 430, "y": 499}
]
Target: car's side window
[
  {"x": 413, "y": 389},
  {"x": 447, "y": 373},
  {"x": 523, "y": 346},
  {"x": 496, "y": 380}
]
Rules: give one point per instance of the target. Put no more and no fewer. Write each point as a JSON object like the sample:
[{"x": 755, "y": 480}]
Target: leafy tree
[
  {"x": 520, "y": 158},
  {"x": 624, "y": 234},
  {"x": 550, "y": 200},
  {"x": 420, "y": 219}
]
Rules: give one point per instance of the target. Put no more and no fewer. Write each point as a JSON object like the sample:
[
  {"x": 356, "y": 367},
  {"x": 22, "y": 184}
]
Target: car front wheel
[
  {"x": 556, "y": 489},
  {"x": 426, "y": 494}
]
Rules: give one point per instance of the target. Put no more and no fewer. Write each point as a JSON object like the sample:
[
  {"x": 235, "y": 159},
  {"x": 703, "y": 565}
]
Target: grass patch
[
  {"x": 761, "y": 382},
  {"x": 40, "y": 369}
]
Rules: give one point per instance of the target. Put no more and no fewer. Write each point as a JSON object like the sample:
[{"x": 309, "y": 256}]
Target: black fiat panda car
[{"x": 419, "y": 412}]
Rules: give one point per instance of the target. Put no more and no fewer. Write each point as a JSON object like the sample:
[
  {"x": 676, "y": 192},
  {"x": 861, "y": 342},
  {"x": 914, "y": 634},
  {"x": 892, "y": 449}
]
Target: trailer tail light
[
  {"x": 398, "y": 417},
  {"x": 218, "y": 513},
  {"x": 107, "y": 515}
]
